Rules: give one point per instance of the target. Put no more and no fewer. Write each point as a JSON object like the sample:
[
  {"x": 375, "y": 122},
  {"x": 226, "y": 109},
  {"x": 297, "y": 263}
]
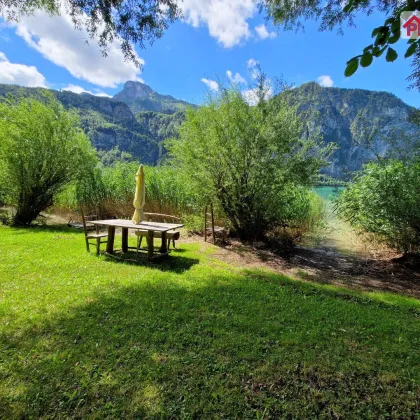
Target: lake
[{"x": 328, "y": 193}]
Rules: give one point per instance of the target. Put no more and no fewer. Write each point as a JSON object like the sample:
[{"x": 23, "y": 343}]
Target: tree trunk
[{"x": 29, "y": 208}]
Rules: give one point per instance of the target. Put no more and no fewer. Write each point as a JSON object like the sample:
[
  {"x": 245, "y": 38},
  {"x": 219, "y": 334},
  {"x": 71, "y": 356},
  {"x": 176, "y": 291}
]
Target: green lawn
[{"x": 193, "y": 337}]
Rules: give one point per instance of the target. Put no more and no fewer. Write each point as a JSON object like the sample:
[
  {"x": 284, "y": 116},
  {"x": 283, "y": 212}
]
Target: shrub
[
  {"x": 384, "y": 200},
  {"x": 42, "y": 148},
  {"x": 303, "y": 211},
  {"x": 250, "y": 159}
]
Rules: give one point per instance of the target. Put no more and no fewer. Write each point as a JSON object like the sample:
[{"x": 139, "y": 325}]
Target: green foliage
[
  {"x": 302, "y": 210},
  {"x": 384, "y": 200},
  {"x": 414, "y": 116},
  {"x": 3, "y": 186},
  {"x": 325, "y": 180},
  {"x": 169, "y": 188},
  {"x": 42, "y": 148},
  {"x": 247, "y": 159},
  {"x": 160, "y": 126},
  {"x": 114, "y": 155}
]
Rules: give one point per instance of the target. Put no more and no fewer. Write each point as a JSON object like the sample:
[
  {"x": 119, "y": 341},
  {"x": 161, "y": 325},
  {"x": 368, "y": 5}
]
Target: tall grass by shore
[{"x": 108, "y": 192}]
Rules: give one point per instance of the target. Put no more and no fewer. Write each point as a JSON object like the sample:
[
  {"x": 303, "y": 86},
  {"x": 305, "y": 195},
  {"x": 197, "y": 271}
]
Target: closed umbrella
[{"x": 139, "y": 197}]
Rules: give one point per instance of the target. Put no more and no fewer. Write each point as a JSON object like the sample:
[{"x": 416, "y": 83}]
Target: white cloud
[
  {"x": 20, "y": 74},
  {"x": 211, "y": 84},
  {"x": 79, "y": 89},
  {"x": 325, "y": 81},
  {"x": 263, "y": 32},
  {"x": 226, "y": 19},
  {"x": 57, "y": 40},
  {"x": 235, "y": 79},
  {"x": 252, "y": 66},
  {"x": 251, "y": 63},
  {"x": 252, "y": 96}
]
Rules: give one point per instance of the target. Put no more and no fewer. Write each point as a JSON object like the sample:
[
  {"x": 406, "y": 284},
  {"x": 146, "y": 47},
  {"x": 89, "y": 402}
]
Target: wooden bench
[{"x": 171, "y": 235}]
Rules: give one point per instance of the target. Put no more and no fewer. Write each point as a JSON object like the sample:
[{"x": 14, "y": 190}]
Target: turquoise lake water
[{"x": 328, "y": 193}]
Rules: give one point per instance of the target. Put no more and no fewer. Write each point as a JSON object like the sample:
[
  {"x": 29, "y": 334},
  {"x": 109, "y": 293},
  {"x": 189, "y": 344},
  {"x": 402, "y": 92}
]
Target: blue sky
[{"x": 44, "y": 51}]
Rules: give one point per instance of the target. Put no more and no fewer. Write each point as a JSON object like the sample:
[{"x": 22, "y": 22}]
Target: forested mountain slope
[
  {"x": 360, "y": 122},
  {"x": 110, "y": 123}
]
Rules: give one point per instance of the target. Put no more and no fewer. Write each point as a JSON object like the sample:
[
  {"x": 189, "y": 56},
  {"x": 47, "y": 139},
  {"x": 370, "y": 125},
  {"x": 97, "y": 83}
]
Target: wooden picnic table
[{"x": 150, "y": 227}]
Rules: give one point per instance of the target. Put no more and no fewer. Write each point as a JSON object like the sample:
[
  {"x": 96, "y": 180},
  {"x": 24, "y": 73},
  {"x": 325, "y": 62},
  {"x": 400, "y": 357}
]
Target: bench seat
[{"x": 170, "y": 234}]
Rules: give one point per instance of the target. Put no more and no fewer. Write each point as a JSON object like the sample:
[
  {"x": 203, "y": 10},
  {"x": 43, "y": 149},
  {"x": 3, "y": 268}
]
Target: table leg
[
  {"x": 124, "y": 239},
  {"x": 111, "y": 236},
  {"x": 150, "y": 244},
  {"x": 164, "y": 246}
]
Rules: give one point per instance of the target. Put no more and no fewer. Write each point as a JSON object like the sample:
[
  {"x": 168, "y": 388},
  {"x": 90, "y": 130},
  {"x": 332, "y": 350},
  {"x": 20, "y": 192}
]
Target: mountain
[
  {"x": 360, "y": 122},
  {"x": 137, "y": 120},
  {"x": 141, "y": 97},
  {"x": 111, "y": 124}
]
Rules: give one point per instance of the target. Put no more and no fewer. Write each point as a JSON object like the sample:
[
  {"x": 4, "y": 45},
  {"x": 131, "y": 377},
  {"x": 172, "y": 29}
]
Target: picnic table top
[{"x": 123, "y": 223}]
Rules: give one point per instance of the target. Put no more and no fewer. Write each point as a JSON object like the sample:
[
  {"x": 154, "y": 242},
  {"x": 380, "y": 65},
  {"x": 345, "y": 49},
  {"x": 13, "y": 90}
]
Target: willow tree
[
  {"x": 42, "y": 148},
  {"x": 250, "y": 159}
]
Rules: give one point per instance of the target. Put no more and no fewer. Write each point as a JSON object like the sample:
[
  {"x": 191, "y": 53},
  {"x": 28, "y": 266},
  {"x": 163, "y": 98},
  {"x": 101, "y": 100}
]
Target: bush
[
  {"x": 303, "y": 211},
  {"x": 42, "y": 148},
  {"x": 249, "y": 159},
  {"x": 384, "y": 200}
]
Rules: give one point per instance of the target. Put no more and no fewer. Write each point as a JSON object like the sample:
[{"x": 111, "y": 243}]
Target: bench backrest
[{"x": 159, "y": 217}]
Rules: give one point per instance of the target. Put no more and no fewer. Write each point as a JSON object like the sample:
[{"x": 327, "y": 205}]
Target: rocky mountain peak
[
  {"x": 141, "y": 97},
  {"x": 133, "y": 90}
]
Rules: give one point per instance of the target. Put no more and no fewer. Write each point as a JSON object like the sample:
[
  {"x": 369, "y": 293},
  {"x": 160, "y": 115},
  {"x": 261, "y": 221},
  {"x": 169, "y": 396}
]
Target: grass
[{"x": 192, "y": 337}]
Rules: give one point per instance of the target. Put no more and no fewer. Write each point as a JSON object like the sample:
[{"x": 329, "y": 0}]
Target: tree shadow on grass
[
  {"x": 234, "y": 346},
  {"x": 174, "y": 262},
  {"x": 328, "y": 266}
]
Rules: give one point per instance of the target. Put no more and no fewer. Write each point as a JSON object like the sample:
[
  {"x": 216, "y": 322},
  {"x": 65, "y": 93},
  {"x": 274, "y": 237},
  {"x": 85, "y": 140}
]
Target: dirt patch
[{"x": 326, "y": 266}]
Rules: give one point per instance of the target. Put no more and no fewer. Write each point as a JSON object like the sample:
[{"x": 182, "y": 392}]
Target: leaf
[
  {"x": 368, "y": 48},
  {"x": 377, "y": 51},
  {"x": 391, "y": 55},
  {"x": 366, "y": 59},
  {"x": 383, "y": 35},
  {"x": 394, "y": 38},
  {"x": 352, "y": 66},
  {"x": 411, "y": 50},
  {"x": 396, "y": 26},
  {"x": 347, "y": 8},
  {"x": 375, "y": 32}
]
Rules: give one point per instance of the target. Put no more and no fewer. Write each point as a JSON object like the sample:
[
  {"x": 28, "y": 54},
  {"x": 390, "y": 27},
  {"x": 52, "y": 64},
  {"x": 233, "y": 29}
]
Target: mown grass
[{"x": 191, "y": 337}]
